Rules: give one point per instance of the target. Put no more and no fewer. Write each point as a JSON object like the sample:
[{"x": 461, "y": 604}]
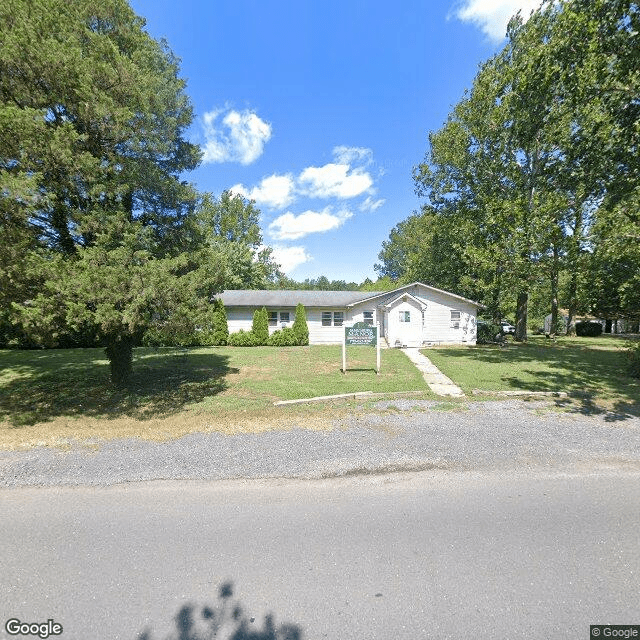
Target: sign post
[{"x": 361, "y": 334}]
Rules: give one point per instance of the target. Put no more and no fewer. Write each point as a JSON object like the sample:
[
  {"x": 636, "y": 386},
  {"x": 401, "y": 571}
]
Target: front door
[{"x": 405, "y": 325}]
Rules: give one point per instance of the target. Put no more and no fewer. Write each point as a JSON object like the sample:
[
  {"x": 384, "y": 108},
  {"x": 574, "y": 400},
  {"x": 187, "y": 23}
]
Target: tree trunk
[
  {"x": 554, "y": 291},
  {"x": 574, "y": 266},
  {"x": 494, "y": 304},
  {"x": 521, "y": 316},
  {"x": 607, "y": 325},
  {"x": 119, "y": 350},
  {"x": 525, "y": 253},
  {"x": 59, "y": 221},
  {"x": 571, "y": 320}
]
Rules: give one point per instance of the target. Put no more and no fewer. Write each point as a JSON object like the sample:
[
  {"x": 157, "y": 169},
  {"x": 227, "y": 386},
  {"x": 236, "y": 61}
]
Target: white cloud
[
  {"x": 334, "y": 181},
  {"x": 492, "y": 16},
  {"x": 370, "y": 204},
  {"x": 344, "y": 178},
  {"x": 274, "y": 191},
  {"x": 291, "y": 227},
  {"x": 234, "y": 136},
  {"x": 290, "y": 257},
  {"x": 353, "y": 155}
]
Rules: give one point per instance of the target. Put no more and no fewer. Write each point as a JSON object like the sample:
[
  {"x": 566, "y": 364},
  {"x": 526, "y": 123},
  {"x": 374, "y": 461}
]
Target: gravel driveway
[{"x": 402, "y": 435}]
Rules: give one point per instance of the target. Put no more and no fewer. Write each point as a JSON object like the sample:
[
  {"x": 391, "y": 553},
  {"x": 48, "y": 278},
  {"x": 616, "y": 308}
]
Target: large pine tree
[{"x": 92, "y": 120}]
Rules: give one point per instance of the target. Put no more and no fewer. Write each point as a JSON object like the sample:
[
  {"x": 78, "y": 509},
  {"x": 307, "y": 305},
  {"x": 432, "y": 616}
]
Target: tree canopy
[{"x": 532, "y": 183}]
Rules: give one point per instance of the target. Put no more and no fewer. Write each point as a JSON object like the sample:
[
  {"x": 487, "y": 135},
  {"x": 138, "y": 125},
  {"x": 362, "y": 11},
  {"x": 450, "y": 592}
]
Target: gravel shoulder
[{"x": 397, "y": 435}]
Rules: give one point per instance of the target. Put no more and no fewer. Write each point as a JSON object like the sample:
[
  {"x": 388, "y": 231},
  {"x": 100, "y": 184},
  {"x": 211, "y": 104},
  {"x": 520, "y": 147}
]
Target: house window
[
  {"x": 368, "y": 317},
  {"x": 336, "y": 316},
  {"x": 273, "y": 318},
  {"x": 405, "y": 316},
  {"x": 284, "y": 316},
  {"x": 455, "y": 319}
]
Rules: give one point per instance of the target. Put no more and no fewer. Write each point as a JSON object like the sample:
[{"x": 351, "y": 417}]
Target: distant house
[
  {"x": 414, "y": 315},
  {"x": 615, "y": 326}
]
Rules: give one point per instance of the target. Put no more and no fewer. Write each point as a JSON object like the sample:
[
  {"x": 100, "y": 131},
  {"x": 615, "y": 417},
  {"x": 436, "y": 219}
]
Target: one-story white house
[{"x": 414, "y": 315}]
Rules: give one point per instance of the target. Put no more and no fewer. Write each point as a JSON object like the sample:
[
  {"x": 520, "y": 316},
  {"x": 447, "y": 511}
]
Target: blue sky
[{"x": 319, "y": 110}]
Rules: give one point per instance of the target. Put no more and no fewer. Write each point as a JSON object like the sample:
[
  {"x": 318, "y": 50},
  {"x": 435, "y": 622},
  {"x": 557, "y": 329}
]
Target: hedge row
[{"x": 588, "y": 329}]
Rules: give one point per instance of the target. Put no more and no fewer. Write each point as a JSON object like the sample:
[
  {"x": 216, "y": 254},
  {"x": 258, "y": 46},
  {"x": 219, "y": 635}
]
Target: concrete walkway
[{"x": 437, "y": 381}]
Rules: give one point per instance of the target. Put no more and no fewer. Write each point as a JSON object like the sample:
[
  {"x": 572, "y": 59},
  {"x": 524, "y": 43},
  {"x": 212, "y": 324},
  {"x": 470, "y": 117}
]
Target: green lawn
[
  {"x": 589, "y": 369},
  {"x": 174, "y": 391}
]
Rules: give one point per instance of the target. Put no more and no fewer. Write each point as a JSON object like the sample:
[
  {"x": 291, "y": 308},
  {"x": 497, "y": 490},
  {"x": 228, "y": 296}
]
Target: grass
[
  {"x": 591, "y": 370},
  {"x": 57, "y": 397},
  {"x": 52, "y": 397}
]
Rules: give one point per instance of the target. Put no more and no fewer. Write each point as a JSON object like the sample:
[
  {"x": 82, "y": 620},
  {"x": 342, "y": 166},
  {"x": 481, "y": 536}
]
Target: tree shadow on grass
[
  {"x": 75, "y": 383},
  {"x": 583, "y": 370},
  {"x": 225, "y": 620}
]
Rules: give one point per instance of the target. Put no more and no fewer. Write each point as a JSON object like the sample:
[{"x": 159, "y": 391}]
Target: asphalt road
[{"x": 434, "y": 554}]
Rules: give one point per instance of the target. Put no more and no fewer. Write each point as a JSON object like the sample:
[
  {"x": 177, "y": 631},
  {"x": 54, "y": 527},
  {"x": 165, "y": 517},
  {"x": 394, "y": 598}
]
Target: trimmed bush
[
  {"x": 260, "y": 327},
  {"x": 285, "y": 337},
  {"x": 220, "y": 333},
  {"x": 633, "y": 356},
  {"x": 242, "y": 338},
  {"x": 300, "y": 327},
  {"x": 588, "y": 329}
]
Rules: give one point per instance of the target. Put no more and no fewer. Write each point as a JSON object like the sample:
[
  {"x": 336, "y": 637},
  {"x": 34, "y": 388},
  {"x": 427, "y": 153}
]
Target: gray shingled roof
[{"x": 288, "y": 298}]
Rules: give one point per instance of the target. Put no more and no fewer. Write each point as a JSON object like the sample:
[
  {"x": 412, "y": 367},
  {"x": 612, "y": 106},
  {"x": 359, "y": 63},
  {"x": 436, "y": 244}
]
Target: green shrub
[
  {"x": 300, "y": 327},
  {"x": 285, "y": 337},
  {"x": 588, "y": 329},
  {"x": 487, "y": 332},
  {"x": 534, "y": 324},
  {"x": 154, "y": 338},
  {"x": 175, "y": 330},
  {"x": 633, "y": 355},
  {"x": 220, "y": 334},
  {"x": 242, "y": 338},
  {"x": 260, "y": 328},
  {"x": 205, "y": 328},
  {"x": 561, "y": 326}
]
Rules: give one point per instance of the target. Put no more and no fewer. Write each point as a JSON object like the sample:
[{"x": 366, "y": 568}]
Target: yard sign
[{"x": 361, "y": 334}]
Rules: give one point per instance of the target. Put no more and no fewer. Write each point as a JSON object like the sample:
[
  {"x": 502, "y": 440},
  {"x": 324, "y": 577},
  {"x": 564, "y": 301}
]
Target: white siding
[
  {"x": 357, "y": 312},
  {"x": 325, "y": 335},
  {"x": 239, "y": 318},
  {"x": 242, "y": 318},
  {"x": 438, "y": 327}
]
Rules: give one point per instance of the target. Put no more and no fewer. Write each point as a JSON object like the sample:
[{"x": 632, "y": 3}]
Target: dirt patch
[{"x": 63, "y": 431}]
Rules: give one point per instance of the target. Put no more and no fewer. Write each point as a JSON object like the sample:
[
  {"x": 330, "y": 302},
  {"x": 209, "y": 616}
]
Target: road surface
[{"x": 435, "y": 554}]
